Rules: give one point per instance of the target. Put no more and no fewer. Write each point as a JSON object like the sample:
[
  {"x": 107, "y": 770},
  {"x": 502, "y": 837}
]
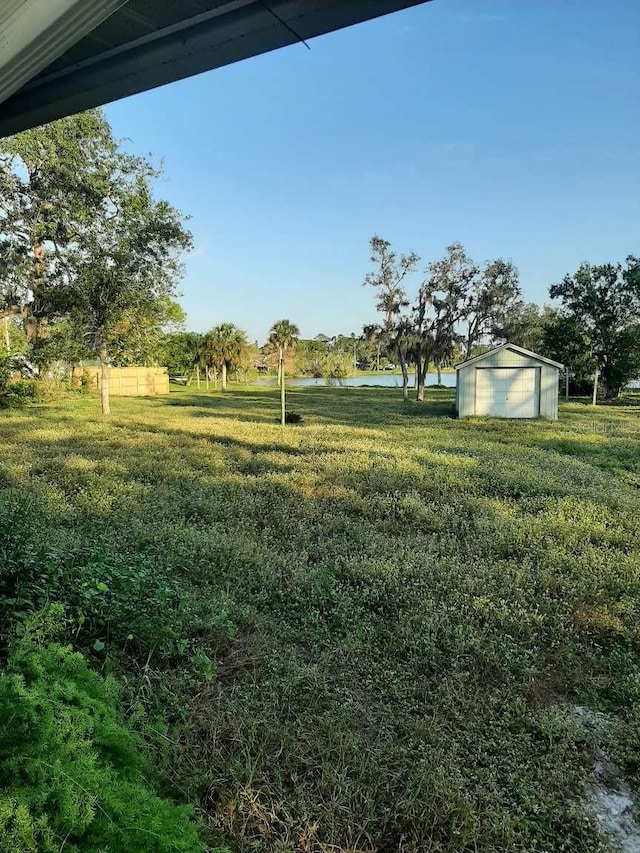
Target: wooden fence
[{"x": 128, "y": 381}]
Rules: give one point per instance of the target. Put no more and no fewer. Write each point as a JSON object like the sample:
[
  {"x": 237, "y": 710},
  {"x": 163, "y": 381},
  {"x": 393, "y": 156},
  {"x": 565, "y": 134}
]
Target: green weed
[{"x": 360, "y": 635}]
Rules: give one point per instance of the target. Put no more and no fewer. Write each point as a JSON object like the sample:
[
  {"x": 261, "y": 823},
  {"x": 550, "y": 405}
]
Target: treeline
[
  {"x": 459, "y": 307},
  {"x": 226, "y": 348},
  {"x": 91, "y": 258}
]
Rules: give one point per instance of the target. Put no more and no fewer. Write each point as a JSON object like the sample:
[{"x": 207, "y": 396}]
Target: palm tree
[
  {"x": 283, "y": 335},
  {"x": 222, "y": 347}
]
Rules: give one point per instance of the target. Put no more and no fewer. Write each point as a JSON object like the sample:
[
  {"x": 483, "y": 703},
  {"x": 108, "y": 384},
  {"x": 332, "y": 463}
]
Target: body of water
[{"x": 382, "y": 380}]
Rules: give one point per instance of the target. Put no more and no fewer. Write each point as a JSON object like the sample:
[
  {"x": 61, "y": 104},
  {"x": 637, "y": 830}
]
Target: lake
[{"x": 382, "y": 380}]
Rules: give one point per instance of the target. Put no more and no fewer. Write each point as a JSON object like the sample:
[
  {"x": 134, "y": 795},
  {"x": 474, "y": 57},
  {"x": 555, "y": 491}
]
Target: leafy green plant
[
  {"x": 71, "y": 775},
  {"x": 15, "y": 394},
  {"x": 20, "y": 393},
  {"x": 113, "y": 597},
  {"x": 5, "y": 372}
]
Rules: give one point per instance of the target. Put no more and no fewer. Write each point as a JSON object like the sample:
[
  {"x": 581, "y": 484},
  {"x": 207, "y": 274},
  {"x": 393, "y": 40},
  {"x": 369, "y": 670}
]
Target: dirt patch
[{"x": 610, "y": 802}]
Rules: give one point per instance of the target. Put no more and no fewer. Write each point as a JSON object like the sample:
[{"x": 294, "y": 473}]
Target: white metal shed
[{"x": 508, "y": 382}]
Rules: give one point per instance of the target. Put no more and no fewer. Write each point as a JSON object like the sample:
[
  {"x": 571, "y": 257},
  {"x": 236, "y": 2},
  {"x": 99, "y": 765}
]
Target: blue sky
[{"x": 510, "y": 125}]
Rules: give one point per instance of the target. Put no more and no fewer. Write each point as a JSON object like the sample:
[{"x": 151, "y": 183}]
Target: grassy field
[{"x": 363, "y": 633}]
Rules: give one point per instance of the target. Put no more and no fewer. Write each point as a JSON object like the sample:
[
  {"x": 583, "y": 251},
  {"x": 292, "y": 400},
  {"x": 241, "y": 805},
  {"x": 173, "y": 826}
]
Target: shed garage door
[{"x": 507, "y": 392}]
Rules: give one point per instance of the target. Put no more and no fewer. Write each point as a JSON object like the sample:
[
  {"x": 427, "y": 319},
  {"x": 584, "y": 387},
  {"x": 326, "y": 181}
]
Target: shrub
[
  {"x": 85, "y": 383},
  {"x": 71, "y": 773},
  {"x": 5, "y": 373},
  {"x": 18, "y": 394},
  {"x": 50, "y": 390},
  {"x": 293, "y": 418}
]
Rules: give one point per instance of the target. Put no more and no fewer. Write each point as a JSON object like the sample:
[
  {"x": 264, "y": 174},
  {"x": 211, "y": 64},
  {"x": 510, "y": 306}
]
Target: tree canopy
[
  {"x": 457, "y": 304},
  {"x": 86, "y": 240},
  {"x": 222, "y": 348},
  {"x": 604, "y": 300}
]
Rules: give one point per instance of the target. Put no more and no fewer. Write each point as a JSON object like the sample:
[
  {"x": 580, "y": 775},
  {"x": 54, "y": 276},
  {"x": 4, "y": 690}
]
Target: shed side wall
[
  {"x": 466, "y": 385},
  {"x": 549, "y": 388}
]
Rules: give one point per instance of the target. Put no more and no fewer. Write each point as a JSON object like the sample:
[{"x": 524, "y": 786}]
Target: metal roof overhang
[{"x": 58, "y": 57}]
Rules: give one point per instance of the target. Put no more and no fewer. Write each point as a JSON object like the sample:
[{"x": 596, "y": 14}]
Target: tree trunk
[
  {"x": 280, "y": 369},
  {"x": 405, "y": 380},
  {"x": 378, "y": 357},
  {"x": 420, "y": 372},
  {"x": 206, "y": 378},
  {"x": 198, "y": 376},
  {"x": 596, "y": 376},
  {"x": 283, "y": 392},
  {"x": 224, "y": 375},
  {"x": 104, "y": 381},
  {"x": 612, "y": 393},
  {"x": 34, "y": 322},
  {"x": 439, "y": 369}
]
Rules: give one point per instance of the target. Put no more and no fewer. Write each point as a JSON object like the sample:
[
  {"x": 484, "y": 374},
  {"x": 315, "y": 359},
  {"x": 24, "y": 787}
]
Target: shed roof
[{"x": 513, "y": 348}]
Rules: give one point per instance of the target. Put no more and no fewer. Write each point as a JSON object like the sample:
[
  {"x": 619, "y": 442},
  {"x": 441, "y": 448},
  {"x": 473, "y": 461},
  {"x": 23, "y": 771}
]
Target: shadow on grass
[{"x": 362, "y": 407}]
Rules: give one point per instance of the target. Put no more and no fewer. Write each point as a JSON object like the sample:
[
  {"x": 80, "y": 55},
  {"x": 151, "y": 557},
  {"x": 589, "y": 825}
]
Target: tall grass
[{"x": 362, "y": 633}]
